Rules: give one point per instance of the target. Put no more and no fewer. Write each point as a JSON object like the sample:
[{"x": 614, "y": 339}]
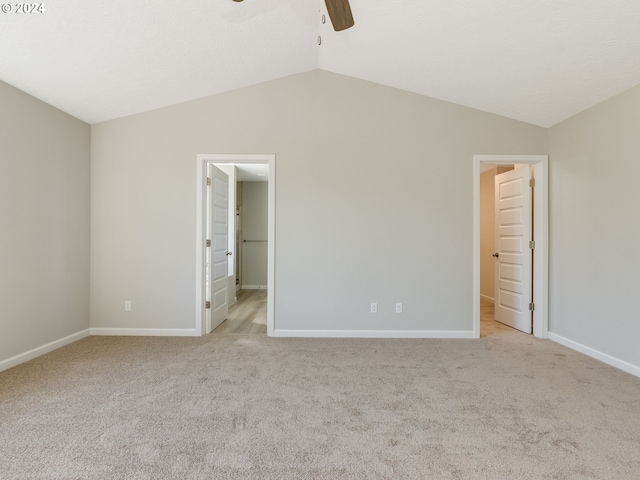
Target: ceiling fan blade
[{"x": 340, "y": 14}]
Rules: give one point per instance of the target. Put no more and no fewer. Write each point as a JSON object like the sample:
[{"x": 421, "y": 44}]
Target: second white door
[
  {"x": 219, "y": 228},
  {"x": 513, "y": 225}
]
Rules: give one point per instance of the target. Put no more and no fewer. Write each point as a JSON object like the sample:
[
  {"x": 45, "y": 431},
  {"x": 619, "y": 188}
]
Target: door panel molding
[
  {"x": 513, "y": 228},
  {"x": 540, "y": 166},
  {"x": 218, "y": 252}
]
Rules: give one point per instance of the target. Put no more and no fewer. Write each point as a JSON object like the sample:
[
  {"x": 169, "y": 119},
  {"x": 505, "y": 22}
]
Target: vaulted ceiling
[{"x": 539, "y": 61}]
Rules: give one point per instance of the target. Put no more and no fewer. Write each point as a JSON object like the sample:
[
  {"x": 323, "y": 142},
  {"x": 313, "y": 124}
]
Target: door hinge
[
  {"x": 532, "y": 182},
  {"x": 532, "y": 244},
  {"x": 208, "y": 243},
  {"x": 207, "y": 304},
  {"x": 208, "y": 181},
  {"x": 532, "y": 306}
]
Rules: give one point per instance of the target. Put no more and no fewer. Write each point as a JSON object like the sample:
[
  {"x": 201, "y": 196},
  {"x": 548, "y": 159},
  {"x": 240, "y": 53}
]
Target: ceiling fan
[{"x": 340, "y": 14}]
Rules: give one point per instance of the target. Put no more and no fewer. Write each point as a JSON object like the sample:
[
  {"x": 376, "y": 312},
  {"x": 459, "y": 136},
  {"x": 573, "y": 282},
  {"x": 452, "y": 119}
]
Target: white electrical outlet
[
  {"x": 127, "y": 305},
  {"x": 399, "y": 307},
  {"x": 374, "y": 307}
]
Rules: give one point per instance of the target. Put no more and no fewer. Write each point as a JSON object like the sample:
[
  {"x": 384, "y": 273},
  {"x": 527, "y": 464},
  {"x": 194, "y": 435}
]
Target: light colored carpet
[{"x": 506, "y": 406}]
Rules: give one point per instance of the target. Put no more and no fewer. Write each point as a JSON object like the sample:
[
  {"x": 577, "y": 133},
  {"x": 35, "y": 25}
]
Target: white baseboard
[
  {"x": 253, "y": 287},
  {"x": 603, "y": 357},
  {"x": 36, "y": 352},
  {"x": 146, "y": 332},
  {"x": 373, "y": 333},
  {"x": 487, "y": 298}
]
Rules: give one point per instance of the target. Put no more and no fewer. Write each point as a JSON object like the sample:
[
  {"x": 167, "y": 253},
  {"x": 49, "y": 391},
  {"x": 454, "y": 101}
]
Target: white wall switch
[
  {"x": 399, "y": 307},
  {"x": 374, "y": 307},
  {"x": 127, "y": 305}
]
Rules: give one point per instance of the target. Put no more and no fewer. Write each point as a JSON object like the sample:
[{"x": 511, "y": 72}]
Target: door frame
[
  {"x": 202, "y": 162},
  {"x": 540, "y": 166}
]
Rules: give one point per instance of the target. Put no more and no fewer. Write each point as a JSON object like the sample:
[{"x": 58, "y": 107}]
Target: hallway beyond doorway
[
  {"x": 488, "y": 325},
  {"x": 248, "y": 316}
]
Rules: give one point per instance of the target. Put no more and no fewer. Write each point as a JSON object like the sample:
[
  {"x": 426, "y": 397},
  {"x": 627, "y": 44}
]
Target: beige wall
[
  {"x": 487, "y": 234},
  {"x": 44, "y": 222},
  {"x": 595, "y": 228},
  {"x": 254, "y": 227},
  {"x": 373, "y": 203},
  {"x": 488, "y": 231}
]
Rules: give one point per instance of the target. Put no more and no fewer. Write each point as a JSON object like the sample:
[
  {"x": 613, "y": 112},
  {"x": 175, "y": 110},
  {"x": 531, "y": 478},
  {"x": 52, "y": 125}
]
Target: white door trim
[
  {"x": 540, "y": 165},
  {"x": 202, "y": 160}
]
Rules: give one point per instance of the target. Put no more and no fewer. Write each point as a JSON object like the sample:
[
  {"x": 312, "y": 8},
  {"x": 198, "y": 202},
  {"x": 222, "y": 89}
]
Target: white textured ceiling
[
  {"x": 103, "y": 59},
  {"x": 539, "y": 61},
  {"x": 252, "y": 172}
]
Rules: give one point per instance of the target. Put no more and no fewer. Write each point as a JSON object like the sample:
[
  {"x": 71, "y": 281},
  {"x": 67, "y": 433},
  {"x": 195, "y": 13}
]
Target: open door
[
  {"x": 217, "y": 248},
  {"x": 514, "y": 233},
  {"x": 204, "y": 231}
]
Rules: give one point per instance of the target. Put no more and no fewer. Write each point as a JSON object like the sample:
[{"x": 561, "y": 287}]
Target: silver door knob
[{"x": 229, "y": 254}]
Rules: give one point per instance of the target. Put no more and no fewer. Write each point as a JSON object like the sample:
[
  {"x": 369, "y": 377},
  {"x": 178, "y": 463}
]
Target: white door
[
  {"x": 513, "y": 253},
  {"x": 217, "y": 283}
]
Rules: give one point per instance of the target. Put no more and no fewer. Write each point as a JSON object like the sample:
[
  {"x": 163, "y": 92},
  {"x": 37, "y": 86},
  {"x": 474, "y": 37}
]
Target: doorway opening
[
  {"x": 237, "y": 167},
  {"x": 248, "y": 316},
  {"x": 489, "y": 323},
  {"x": 539, "y": 167}
]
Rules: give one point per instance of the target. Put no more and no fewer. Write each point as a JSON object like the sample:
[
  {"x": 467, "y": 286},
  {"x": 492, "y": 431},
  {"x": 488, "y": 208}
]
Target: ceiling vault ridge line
[{"x": 538, "y": 62}]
